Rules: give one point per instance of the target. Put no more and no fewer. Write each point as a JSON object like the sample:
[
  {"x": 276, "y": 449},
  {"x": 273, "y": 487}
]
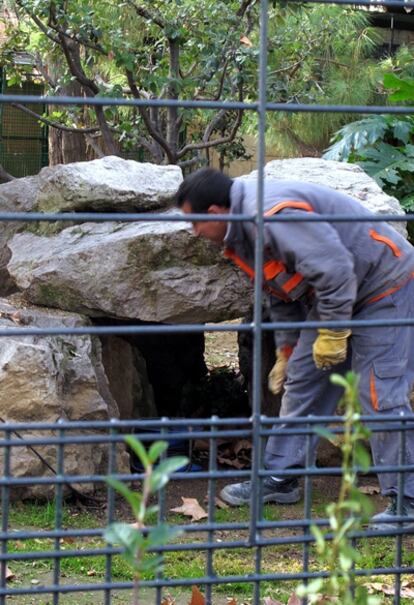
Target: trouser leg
[
  {"x": 384, "y": 360},
  {"x": 308, "y": 391}
]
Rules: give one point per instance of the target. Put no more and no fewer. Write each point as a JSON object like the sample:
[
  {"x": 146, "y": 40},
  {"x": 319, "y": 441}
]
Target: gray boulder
[
  {"x": 347, "y": 178},
  {"x": 47, "y": 378},
  {"x": 107, "y": 184},
  {"x": 16, "y": 196},
  {"x": 156, "y": 272}
]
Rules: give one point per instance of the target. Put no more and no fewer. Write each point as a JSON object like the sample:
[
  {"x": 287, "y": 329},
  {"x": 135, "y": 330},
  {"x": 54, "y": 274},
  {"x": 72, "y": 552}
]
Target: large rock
[
  {"x": 156, "y": 272},
  {"x": 17, "y": 196},
  {"x": 107, "y": 184},
  {"x": 347, "y": 178},
  {"x": 47, "y": 378}
]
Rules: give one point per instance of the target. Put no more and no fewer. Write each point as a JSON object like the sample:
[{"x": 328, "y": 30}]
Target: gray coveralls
[{"x": 333, "y": 271}]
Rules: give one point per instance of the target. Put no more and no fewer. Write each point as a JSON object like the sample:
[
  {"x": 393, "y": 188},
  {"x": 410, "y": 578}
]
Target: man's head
[{"x": 206, "y": 191}]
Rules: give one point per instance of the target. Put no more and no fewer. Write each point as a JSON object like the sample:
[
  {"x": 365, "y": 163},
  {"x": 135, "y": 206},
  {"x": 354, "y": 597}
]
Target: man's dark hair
[{"x": 204, "y": 188}]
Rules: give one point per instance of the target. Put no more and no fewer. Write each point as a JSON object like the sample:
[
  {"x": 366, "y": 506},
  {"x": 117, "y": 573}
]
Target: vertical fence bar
[
  {"x": 5, "y": 502},
  {"x": 161, "y": 510},
  {"x": 307, "y": 502},
  {"x": 257, "y": 316},
  {"x": 110, "y": 498},
  {"x": 212, "y": 466},
  {"x": 400, "y": 505},
  {"x": 58, "y": 511}
]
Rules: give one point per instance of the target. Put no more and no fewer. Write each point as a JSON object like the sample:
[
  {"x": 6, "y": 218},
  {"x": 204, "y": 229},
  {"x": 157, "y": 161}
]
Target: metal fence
[{"x": 258, "y": 535}]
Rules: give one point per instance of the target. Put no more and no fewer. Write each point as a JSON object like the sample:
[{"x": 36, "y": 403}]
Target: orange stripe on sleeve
[
  {"x": 385, "y": 240},
  {"x": 289, "y": 204}
]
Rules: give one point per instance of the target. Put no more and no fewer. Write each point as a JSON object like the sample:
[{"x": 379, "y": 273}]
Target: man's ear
[{"x": 215, "y": 209}]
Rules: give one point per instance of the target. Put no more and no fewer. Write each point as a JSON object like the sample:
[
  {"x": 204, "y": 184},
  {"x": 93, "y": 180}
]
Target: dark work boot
[
  {"x": 282, "y": 491},
  {"x": 386, "y": 519}
]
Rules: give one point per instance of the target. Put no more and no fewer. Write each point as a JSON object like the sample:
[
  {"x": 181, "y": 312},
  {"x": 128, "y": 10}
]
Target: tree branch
[
  {"x": 54, "y": 124},
  {"x": 38, "y": 22},
  {"x": 146, "y": 14},
  {"x": 156, "y": 135}
]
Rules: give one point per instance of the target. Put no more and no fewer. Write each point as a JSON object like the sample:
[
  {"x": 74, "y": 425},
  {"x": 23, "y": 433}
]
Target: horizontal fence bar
[
  {"x": 114, "y": 423},
  {"x": 178, "y": 217},
  {"x": 229, "y": 105},
  {"x": 233, "y": 579},
  {"x": 185, "y": 328}
]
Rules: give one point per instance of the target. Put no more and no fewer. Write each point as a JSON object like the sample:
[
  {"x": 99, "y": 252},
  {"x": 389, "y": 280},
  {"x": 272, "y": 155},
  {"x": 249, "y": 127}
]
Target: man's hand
[
  {"x": 330, "y": 347},
  {"x": 277, "y": 375}
]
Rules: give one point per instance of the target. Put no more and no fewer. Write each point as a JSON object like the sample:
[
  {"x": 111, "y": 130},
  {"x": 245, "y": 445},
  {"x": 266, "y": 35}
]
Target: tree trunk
[{"x": 66, "y": 147}]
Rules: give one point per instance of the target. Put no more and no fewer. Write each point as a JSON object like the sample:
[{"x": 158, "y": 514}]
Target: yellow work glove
[
  {"x": 277, "y": 374},
  {"x": 330, "y": 347}
]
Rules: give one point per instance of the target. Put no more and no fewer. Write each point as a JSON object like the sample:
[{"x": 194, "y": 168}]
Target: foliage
[
  {"x": 191, "y": 50},
  {"x": 345, "y": 516},
  {"x": 383, "y": 145},
  {"x": 136, "y": 540},
  {"x": 318, "y": 54}
]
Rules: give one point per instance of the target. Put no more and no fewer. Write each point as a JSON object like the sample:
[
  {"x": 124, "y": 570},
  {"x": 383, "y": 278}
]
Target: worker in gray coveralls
[{"x": 321, "y": 271}]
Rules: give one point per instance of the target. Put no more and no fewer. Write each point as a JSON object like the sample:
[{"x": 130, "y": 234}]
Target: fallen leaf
[
  {"x": 191, "y": 508},
  {"x": 379, "y": 587},
  {"x": 243, "y": 444},
  {"x": 245, "y": 40},
  {"x": 235, "y": 462},
  {"x": 9, "y": 574},
  {"x": 168, "y": 600},
  {"x": 220, "y": 503},
  {"x": 67, "y": 539},
  {"x": 369, "y": 489},
  {"x": 270, "y": 601},
  {"x": 197, "y": 598},
  {"x": 16, "y": 317}
]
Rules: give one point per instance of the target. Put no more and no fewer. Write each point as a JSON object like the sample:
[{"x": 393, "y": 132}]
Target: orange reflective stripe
[
  {"x": 292, "y": 282},
  {"x": 387, "y": 241},
  {"x": 272, "y": 268},
  {"x": 373, "y": 391},
  {"x": 228, "y": 253},
  {"x": 289, "y": 204},
  {"x": 389, "y": 291}
]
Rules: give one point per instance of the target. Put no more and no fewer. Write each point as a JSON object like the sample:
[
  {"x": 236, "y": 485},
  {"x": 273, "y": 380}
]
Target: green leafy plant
[
  {"x": 352, "y": 509},
  {"x": 383, "y": 145},
  {"x": 137, "y": 539}
]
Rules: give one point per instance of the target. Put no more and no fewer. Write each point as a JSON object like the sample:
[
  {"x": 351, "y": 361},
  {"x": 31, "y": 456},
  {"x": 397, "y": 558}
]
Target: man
[{"x": 321, "y": 271}]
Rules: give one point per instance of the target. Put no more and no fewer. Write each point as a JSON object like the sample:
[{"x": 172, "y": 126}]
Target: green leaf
[
  {"x": 123, "y": 534},
  {"x": 325, "y": 433},
  {"x": 134, "y": 499},
  {"x": 137, "y": 447},
  {"x": 161, "y": 475},
  {"x": 170, "y": 465},
  {"x": 339, "y": 380},
  {"x": 156, "y": 450},
  {"x": 162, "y": 534},
  {"x": 362, "y": 457},
  {"x": 404, "y": 87},
  {"x": 318, "y": 535}
]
